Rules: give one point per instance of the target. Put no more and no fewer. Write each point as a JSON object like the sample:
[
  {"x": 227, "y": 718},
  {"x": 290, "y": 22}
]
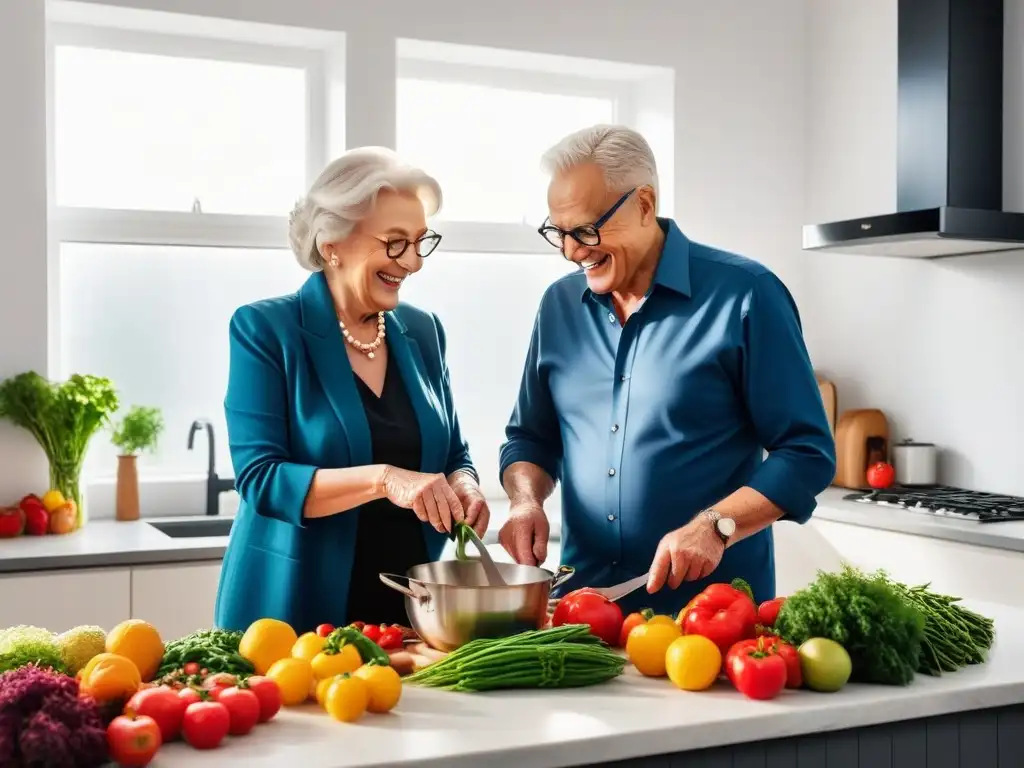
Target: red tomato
[
  {"x": 215, "y": 690},
  {"x": 584, "y": 606},
  {"x": 881, "y": 475},
  {"x": 162, "y": 704},
  {"x": 631, "y": 621},
  {"x": 768, "y": 611},
  {"x": 722, "y": 621},
  {"x": 190, "y": 696},
  {"x": 758, "y": 673},
  {"x": 325, "y": 629},
  {"x": 794, "y": 677},
  {"x": 192, "y": 668},
  {"x": 243, "y": 708},
  {"x": 390, "y": 639},
  {"x": 267, "y": 693},
  {"x": 206, "y": 724},
  {"x": 133, "y": 741},
  {"x": 373, "y": 632}
]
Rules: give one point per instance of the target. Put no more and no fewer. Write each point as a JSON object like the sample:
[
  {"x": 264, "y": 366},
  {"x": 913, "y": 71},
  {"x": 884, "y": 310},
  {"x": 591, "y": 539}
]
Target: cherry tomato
[
  {"x": 390, "y": 639},
  {"x": 373, "y": 632},
  {"x": 206, "y": 724},
  {"x": 881, "y": 475},
  {"x": 268, "y": 693},
  {"x": 243, "y": 709},
  {"x": 768, "y": 611},
  {"x": 324, "y": 630},
  {"x": 133, "y": 741},
  {"x": 192, "y": 668}
]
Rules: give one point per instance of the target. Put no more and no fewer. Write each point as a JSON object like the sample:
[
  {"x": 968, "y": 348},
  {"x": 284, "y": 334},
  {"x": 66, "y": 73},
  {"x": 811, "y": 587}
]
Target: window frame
[
  {"x": 506, "y": 237},
  {"x": 120, "y": 226}
]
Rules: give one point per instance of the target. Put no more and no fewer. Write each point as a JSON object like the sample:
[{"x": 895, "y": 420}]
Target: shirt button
[
  {"x": 622, "y": 378},
  {"x": 615, "y": 427},
  {"x": 611, "y": 472},
  {"x": 611, "y": 518},
  {"x": 611, "y": 317},
  {"x": 615, "y": 562}
]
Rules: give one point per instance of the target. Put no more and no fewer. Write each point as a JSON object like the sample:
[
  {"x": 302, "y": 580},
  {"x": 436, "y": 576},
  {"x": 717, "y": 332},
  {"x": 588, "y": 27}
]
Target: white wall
[
  {"x": 738, "y": 158},
  {"x": 934, "y": 344}
]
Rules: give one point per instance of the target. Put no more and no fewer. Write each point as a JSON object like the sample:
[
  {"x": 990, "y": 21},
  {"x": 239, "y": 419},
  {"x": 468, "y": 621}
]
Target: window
[
  {"x": 487, "y": 303},
  {"x": 484, "y": 143},
  {"x": 164, "y": 133}
]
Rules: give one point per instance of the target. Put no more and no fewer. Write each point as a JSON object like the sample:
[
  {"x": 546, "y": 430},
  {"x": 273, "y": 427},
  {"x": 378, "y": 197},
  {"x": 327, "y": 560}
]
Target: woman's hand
[
  {"x": 474, "y": 504},
  {"x": 429, "y": 496}
]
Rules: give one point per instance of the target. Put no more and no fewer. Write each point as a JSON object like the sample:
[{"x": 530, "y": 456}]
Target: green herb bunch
[
  {"x": 139, "y": 430},
  {"x": 867, "y": 615},
  {"x": 61, "y": 417}
]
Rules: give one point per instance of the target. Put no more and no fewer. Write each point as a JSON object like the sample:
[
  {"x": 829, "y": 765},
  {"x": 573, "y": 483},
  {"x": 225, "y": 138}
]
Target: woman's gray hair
[
  {"x": 345, "y": 192},
  {"x": 622, "y": 153}
]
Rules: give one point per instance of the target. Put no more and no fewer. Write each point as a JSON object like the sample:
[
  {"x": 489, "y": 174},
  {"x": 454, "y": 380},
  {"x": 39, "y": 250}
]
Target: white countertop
[
  {"x": 629, "y": 717},
  {"x": 111, "y": 543}
]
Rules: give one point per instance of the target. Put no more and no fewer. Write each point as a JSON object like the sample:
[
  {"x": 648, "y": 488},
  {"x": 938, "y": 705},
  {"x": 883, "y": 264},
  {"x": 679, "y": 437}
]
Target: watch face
[{"x": 726, "y": 526}]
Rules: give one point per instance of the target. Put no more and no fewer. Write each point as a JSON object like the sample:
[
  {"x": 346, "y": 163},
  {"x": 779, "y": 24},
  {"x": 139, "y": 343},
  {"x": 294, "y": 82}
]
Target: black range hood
[{"x": 949, "y": 174}]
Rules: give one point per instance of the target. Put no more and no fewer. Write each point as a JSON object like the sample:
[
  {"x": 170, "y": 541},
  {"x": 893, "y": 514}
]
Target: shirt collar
[{"x": 673, "y": 271}]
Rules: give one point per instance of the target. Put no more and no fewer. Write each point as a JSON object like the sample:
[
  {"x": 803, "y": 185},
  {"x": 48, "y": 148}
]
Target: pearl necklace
[{"x": 373, "y": 346}]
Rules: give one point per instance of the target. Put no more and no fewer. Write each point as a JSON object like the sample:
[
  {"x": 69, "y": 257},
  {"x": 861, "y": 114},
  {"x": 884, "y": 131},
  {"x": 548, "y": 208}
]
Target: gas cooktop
[{"x": 946, "y": 501}]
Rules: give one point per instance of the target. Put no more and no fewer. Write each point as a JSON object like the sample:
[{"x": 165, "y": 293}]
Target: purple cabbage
[{"x": 45, "y": 724}]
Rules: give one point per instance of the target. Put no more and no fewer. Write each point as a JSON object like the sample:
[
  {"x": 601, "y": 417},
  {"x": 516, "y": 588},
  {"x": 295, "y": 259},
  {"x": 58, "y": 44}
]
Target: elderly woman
[{"x": 345, "y": 442}]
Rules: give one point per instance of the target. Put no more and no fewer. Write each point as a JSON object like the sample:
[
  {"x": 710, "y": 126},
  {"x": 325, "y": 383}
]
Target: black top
[{"x": 389, "y": 538}]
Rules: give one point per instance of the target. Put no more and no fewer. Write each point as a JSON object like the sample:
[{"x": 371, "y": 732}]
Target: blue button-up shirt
[{"x": 648, "y": 422}]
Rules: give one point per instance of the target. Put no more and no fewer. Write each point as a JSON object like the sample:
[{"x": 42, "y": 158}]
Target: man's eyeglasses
[
  {"x": 424, "y": 245},
  {"x": 585, "y": 234}
]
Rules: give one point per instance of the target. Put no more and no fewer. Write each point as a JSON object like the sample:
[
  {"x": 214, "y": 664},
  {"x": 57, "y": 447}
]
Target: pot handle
[
  {"x": 416, "y": 589},
  {"x": 562, "y": 575}
]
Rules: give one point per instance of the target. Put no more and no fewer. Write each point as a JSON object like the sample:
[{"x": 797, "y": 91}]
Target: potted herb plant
[
  {"x": 138, "y": 431},
  {"x": 62, "y": 417}
]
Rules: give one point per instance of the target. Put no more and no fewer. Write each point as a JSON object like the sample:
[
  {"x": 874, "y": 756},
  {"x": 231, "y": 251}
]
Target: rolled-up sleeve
[
  {"x": 458, "y": 449},
  {"x": 532, "y": 434},
  {"x": 255, "y": 407},
  {"x": 785, "y": 404}
]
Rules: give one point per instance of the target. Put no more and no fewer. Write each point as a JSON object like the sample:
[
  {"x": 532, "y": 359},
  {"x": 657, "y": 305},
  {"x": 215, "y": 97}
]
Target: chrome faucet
[{"x": 215, "y": 485}]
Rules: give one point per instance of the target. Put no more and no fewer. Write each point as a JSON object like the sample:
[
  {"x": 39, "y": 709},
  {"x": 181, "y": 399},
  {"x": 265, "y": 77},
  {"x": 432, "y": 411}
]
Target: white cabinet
[
  {"x": 176, "y": 598},
  {"x": 60, "y": 601}
]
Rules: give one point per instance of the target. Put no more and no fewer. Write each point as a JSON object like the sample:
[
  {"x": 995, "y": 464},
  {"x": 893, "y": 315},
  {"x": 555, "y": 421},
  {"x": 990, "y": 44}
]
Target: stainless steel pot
[
  {"x": 916, "y": 463},
  {"x": 450, "y": 602}
]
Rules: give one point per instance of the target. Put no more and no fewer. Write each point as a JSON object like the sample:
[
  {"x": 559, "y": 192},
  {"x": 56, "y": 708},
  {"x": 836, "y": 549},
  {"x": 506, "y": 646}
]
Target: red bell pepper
[
  {"x": 770, "y": 644},
  {"x": 757, "y": 671},
  {"x": 723, "y": 614}
]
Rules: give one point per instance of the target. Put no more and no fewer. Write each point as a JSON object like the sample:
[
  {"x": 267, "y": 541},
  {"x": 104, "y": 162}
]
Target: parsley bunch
[{"x": 865, "y": 614}]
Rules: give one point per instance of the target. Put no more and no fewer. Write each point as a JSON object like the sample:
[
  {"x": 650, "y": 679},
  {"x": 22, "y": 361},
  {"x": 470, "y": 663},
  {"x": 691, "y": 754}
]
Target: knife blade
[{"x": 619, "y": 591}]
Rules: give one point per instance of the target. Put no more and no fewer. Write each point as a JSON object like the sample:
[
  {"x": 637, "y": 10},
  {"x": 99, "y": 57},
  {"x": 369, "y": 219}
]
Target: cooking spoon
[{"x": 464, "y": 533}]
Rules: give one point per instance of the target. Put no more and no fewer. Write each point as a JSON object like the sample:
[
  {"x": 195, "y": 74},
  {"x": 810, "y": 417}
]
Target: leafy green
[
  {"x": 61, "y": 417},
  {"x": 882, "y": 632},
  {"x": 23, "y": 645},
  {"x": 139, "y": 430}
]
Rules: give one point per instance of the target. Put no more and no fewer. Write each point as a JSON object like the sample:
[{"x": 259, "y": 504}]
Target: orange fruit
[
  {"x": 267, "y": 641},
  {"x": 109, "y": 677},
  {"x": 136, "y": 640}
]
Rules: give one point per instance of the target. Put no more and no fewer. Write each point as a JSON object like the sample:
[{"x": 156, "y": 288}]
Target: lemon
[
  {"x": 295, "y": 679},
  {"x": 53, "y": 499},
  {"x": 308, "y": 645},
  {"x": 693, "y": 663},
  {"x": 267, "y": 641}
]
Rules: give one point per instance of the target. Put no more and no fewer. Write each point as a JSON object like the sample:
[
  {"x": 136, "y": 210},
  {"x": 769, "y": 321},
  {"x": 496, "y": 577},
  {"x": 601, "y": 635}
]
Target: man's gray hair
[
  {"x": 345, "y": 192},
  {"x": 622, "y": 153}
]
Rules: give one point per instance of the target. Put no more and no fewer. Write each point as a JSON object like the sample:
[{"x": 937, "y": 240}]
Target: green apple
[{"x": 825, "y": 664}]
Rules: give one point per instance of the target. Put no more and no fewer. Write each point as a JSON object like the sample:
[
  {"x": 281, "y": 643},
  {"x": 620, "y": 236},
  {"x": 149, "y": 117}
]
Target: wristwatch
[{"x": 725, "y": 527}]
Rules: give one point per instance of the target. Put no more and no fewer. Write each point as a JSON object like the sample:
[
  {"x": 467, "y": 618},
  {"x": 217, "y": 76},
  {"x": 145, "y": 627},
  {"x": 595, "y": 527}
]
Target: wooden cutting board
[{"x": 830, "y": 399}]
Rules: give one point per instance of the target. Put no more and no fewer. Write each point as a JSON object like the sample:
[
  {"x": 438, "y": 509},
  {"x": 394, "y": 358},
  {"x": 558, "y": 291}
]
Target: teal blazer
[{"x": 292, "y": 408}]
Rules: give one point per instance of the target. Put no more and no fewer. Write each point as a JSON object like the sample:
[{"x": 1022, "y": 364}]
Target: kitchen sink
[{"x": 191, "y": 529}]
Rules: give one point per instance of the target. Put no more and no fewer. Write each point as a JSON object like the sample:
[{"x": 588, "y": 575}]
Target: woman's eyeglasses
[
  {"x": 424, "y": 245},
  {"x": 586, "y": 234}
]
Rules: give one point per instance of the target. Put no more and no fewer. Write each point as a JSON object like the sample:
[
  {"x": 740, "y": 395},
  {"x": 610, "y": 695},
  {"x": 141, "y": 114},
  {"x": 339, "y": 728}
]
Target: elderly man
[{"x": 657, "y": 377}]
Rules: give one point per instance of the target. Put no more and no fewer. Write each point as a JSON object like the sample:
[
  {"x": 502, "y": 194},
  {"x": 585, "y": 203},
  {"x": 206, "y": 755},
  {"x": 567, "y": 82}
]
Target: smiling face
[
  {"x": 367, "y": 277},
  {"x": 579, "y": 195}
]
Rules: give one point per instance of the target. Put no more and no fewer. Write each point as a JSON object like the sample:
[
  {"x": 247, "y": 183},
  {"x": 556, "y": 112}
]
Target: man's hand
[
  {"x": 525, "y": 534},
  {"x": 686, "y": 554}
]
